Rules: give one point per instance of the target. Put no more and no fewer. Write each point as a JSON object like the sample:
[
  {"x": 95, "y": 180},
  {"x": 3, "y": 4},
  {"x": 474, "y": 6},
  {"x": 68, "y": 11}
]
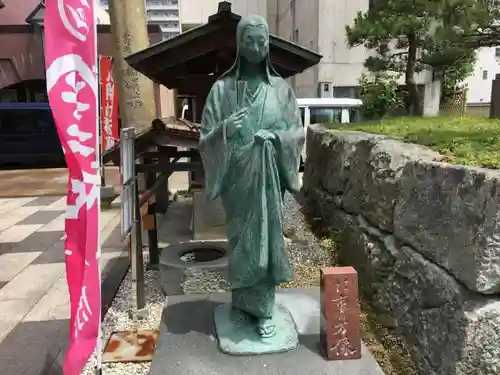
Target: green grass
[{"x": 461, "y": 140}]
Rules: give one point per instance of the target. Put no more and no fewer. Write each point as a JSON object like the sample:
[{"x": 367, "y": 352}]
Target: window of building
[
  {"x": 485, "y": 74},
  {"x": 345, "y": 92},
  {"x": 497, "y": 52},
  {"x": 325, "y": 115},
  {"x": 371, "y": 4}
]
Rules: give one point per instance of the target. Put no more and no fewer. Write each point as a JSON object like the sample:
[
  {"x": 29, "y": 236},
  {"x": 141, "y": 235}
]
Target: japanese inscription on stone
[{"x": 340, "y": 327}]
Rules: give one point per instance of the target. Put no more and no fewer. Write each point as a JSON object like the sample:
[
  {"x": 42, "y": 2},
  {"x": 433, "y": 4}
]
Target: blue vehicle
[{"x": 28, "y": 136}]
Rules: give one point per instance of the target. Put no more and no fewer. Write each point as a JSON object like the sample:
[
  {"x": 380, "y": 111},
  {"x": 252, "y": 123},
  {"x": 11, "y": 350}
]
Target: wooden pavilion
[{"x": 192, "y": 61}]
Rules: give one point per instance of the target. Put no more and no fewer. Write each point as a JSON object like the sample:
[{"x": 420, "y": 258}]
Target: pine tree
[{"x": 409, "y": 36}]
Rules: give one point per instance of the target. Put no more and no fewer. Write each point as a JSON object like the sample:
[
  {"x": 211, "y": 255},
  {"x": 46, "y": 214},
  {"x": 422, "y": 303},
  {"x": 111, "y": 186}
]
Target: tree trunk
[
  {"x": 135, "y": 91},
  {"x": 413, "y": 93}
]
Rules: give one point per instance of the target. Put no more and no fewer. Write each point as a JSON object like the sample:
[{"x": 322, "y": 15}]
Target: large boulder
[
  {"x": 451, "y": 215},
  {"x": 424, "y": 237},
  {"x": 449, "y": 329},
  {"x": 362, "y": 170}
]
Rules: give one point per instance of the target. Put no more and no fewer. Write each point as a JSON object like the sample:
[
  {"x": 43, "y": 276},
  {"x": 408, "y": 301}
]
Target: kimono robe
[{"x": 249, "y": 176}]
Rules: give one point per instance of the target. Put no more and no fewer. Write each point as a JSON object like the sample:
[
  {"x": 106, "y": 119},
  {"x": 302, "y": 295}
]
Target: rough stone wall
[{"x": 424, "y": 237}]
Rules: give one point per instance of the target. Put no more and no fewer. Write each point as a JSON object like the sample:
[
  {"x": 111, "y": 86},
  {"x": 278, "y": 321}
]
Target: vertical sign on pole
[{"x": 73, "y": 90}]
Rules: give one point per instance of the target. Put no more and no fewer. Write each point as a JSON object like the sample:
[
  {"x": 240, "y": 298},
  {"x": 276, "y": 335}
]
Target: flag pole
[{"x": 98, "y": 161}]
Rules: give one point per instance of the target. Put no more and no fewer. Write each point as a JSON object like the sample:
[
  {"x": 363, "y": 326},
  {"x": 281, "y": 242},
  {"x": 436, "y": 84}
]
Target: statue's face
[{"x": 254, "y": 44}]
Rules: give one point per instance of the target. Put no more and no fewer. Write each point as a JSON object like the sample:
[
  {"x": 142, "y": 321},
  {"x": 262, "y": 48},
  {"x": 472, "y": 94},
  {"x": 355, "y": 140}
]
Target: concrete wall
[
  {"x": 478, "y": 110},
  {"x": 479, "y": 86},
  {"x": 341, "y": 65},
  {"x": 321, "y": 27},
  {"x": 302, "y": 30},
  {"x": 198, "y": 11}
]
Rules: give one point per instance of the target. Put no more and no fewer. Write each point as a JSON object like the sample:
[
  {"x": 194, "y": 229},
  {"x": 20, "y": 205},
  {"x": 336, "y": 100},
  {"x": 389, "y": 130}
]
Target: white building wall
[
  {"x": 321, "y": 27},
  {"x": 164, "y": 13},
  {"x": 197, "y": 11},
  {"x": 340, "y": 65},
  {"x": 486, "y": 67}
]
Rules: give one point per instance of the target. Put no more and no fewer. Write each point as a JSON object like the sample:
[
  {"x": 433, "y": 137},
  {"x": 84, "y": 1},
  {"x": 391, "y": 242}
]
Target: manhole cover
[{"x": 202, "y": 255}]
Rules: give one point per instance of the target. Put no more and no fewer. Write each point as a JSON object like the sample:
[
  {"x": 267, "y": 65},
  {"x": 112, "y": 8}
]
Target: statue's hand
[
  {"x": 235, "y": 121},
  {"x": 265, "y": 135}
]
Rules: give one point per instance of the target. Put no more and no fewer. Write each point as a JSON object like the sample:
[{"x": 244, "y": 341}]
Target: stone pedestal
[
  {"x": 242, "y": 338},
  {"x": 187, "y": 343}
]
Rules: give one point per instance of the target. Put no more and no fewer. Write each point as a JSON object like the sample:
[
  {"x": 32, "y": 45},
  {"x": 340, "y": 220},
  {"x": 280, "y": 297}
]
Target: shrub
[{"x": 379, "y": 92}]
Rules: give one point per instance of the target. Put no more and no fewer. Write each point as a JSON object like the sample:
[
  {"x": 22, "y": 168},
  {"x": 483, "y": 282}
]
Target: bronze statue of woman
[{"x": 251, "y": 141}]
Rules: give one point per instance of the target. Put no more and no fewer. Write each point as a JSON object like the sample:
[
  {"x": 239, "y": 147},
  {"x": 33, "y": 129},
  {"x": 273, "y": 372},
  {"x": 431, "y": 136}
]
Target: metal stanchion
[{"x": 131, "y": 220}]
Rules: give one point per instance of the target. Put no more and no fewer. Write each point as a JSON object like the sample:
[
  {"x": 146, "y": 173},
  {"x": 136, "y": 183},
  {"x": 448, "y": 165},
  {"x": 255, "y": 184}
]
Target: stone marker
[
  {"x": 340, "y": 326},
  {"x": 208, "y": 218}
]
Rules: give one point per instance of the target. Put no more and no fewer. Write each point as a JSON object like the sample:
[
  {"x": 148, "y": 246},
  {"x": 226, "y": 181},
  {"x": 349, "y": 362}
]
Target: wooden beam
[{"x": 203, "y": 45}]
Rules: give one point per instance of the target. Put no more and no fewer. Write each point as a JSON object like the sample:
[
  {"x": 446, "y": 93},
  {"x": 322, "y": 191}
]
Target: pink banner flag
[{"x": 72, "y": 86}]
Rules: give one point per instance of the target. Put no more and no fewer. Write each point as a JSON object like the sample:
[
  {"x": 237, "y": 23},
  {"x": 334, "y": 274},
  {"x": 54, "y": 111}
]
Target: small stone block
[
  {"x": 242, "y": 338},
  {"x": 340, "y": 334}
]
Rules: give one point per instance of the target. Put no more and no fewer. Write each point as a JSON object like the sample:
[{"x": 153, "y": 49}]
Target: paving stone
[
  {"x": 38, "y": 241},
  {"x": 11, "y": 313},
  {"x": 17, "y": 233},
  {"x": 55, "y": 225},
  {"x": 13, "y": 263},
  {"x": 12, "y": 216},
  {"x": 41, "y": 217},
  {"x": 54, "y": 305},
  {"x": 187, "y": 343},
  {"x": 6, "y": 246},
  {"x": 43, "y": 201},
  {"x": 59, "y": 204},
  {"x": 33, "y": 282},
  {"x": 31, "y": 348},
  {"x": 114, "y": 240},
  {"x": 53, "y": 255}
]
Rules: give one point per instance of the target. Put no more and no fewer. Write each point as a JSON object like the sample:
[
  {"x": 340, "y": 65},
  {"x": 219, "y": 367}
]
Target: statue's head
[{"x": 253, "y": 39}]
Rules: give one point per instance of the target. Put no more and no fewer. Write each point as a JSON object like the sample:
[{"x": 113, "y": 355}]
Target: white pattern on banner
[
  {"x": 83, "y": 313},
  {"x": 83, "y": 198},
  {"x": 70, "y": 37},
  {"x": 79, "y": 19}
]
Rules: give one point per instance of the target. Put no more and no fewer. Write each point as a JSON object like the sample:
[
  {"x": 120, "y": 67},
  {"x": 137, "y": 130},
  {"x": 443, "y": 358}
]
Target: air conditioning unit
[{"x": 325, "y": 90}]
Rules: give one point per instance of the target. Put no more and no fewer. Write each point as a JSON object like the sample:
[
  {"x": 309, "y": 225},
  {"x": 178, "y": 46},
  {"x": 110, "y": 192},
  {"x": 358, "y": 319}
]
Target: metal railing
[{"x": 131, "y": 214}]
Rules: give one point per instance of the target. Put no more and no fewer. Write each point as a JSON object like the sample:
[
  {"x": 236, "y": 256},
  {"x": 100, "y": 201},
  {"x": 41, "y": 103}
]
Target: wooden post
[
  {"x": 495, "y": 98},
  {"x": 150, "y": 223},
  {"x": 135, "y": 91}
]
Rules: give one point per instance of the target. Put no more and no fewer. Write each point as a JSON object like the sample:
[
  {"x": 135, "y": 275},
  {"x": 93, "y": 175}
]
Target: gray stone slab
[
  {"x": 208, "y": 218},
  {"x": 55, "y": 254},
  {"x": 187, "y": 344},
  {"x": 38, "y": 241},
  {"x": 43, "y": 344},
  {"x": 114, "y": 239},
  {"x": 32, "y": 347},
  {"x": 5, "y": 247},
  {"x": 43, "y": 201},
  {"x": 41, "y": 217}
]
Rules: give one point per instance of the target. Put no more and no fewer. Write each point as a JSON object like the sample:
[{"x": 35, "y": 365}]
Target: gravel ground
[
  {"x": 305, "y": 253},
  {"x": 117, "y": 319}
]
